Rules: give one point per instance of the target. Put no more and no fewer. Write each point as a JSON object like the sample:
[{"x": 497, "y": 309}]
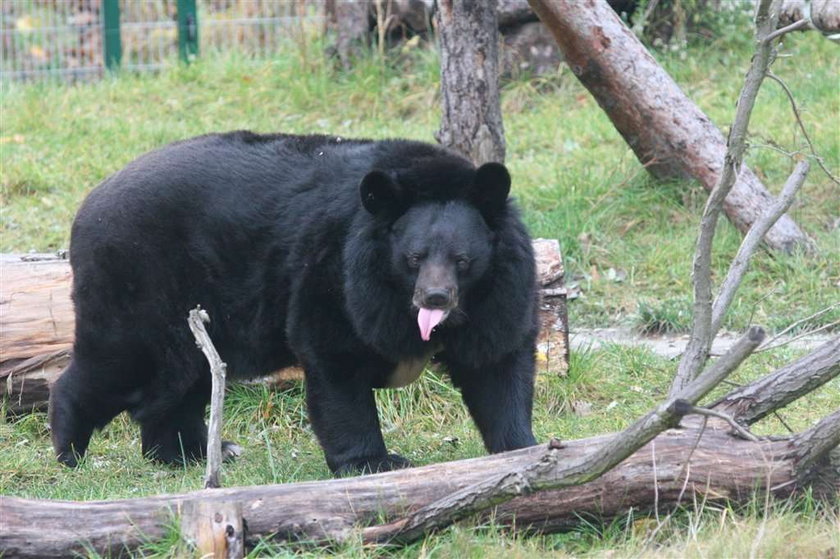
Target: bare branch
[
  {"x": 751, "y": 241},
  {"x": 723, "y": 366},
  {"x": 812, "y": 444},
  {"x": 805, "y": 334},
  {"x": 795, "y": 324},
  {"x": 795, "y": 26},
  {"x": 796, "y": 113},
  {"x": 758, "y": 399},
  {"x": 218, "y": 368},
  {"x": 468, "y": 501},
  {"x": 740, "y": 431},
  {"x": 697, "y": 351}
]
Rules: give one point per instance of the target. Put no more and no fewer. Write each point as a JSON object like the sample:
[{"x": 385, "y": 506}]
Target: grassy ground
[{"x": 627, "y": 242}]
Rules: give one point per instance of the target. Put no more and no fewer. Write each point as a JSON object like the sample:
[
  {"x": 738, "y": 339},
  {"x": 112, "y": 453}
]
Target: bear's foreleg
[
  {"x": 499, "y": 397},
  {"x": 342, "y": 411}
]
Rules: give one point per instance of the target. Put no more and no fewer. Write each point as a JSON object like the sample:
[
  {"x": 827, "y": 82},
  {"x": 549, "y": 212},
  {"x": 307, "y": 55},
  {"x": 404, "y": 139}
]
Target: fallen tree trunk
[
  {"x": 678, "y": 466},
  {"x": 37, "y": 322},
  {"x": 669, "y": 134},
  {"x": 335, "y": 510}
]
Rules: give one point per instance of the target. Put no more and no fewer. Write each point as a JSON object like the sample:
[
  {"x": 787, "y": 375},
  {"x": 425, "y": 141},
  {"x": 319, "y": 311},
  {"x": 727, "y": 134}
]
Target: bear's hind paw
[{"x": 230, "y": 451}]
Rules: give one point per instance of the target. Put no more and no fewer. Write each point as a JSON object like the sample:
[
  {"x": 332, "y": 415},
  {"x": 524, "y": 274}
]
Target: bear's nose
[{"x": 436, "y": 299}]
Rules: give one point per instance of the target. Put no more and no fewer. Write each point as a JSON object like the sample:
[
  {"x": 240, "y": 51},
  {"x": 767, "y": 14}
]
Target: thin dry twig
[
  {"x": 817, "y": 157},
  {"x": 800, "y": 336},
  {"x": 218, "y": 368},
  {"x": 781, "y": 419},
  {"x": 655, "y": 482},
  {"x": 640, "y": 23},
  {"x": 740, "y": 431},
  {"x": 687, "y": 466},
  {"x": 763, "y": 396},
  {"x": 797, "y": 323}
]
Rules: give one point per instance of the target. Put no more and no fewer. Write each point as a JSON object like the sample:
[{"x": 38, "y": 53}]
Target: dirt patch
[{"x": 672, "y": 346}]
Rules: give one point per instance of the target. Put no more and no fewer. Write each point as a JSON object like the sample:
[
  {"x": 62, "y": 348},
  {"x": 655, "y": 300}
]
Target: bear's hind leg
[
  {"x": 75, "y": 410},
  {"x": 178, "y": 434}
]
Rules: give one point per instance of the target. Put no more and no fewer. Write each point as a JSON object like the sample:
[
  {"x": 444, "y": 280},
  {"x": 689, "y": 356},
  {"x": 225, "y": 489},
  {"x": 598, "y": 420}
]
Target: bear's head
[{"x": 440, "y": 247}]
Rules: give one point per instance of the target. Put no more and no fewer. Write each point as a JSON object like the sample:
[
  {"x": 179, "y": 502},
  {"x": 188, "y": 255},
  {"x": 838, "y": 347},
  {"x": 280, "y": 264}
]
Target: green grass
[{"x": 627, "y": 242}]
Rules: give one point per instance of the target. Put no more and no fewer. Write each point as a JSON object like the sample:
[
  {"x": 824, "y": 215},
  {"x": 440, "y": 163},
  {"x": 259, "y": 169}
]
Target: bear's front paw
[{"x": 364, "y": 466}]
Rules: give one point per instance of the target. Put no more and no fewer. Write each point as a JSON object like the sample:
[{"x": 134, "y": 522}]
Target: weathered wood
[
  {"x": 823, "y": 15},
  {"x": 214, "y": 529},
  {"x": 334, "y": 509},
  {"x": 471, "y": 119},
  {"x": 351, "y": 22},
  {"x": 35, "y": 301},
  {"x": 218, "y": 372},
  {"x": 758, "y": 399},
  {"x": 669, "y": 134},
  {"x": 37, "y": 323}
]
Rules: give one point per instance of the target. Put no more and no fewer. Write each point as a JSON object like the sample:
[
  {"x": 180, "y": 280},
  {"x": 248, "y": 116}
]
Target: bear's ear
[
  {"x": 490, "y": 188},
  {"x": 380, "y": 193}
]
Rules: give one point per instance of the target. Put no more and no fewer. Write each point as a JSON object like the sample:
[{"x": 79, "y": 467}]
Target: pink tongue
[{"x": 427, "y": 319}]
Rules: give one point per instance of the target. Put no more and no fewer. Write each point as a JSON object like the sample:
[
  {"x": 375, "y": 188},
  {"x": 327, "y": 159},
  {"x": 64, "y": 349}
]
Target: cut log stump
[{"x": 37, "y": 324}]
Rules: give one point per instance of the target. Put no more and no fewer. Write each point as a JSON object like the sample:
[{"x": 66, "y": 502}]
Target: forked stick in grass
[{"x": 218, "y": 368}]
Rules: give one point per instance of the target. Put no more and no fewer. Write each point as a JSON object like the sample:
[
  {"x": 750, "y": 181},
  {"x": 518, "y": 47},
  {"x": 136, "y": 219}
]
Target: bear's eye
[
  {"x": 414, "y": 260},
  {"x": 463, "y": 263}
]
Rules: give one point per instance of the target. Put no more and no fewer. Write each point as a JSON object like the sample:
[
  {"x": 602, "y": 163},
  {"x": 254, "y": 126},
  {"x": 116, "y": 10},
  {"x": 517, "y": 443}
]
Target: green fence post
[
  {"x": 112, "y": 42},
  {"x": 187, "y": 30}
]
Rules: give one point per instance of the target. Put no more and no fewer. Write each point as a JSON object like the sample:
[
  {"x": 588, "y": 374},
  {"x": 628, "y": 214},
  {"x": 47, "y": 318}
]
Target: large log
[
  {"x": 669, "y": 134},
  {"x": 681, "y": 465},
  {"x": 661, "y": 474},
  {"x": 36, "y": 328},
  {"x": 37, "y": 324}
]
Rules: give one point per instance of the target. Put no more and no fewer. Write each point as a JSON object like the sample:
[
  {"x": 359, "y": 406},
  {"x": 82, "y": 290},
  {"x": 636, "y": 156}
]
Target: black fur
[{"x": 303, "y": 249}]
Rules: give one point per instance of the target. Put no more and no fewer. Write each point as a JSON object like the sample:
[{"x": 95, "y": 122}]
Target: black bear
[{"x": 357, "y": 259}]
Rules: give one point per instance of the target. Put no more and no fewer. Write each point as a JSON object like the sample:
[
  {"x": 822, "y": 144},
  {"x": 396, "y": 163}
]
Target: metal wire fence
[{"x": 65, "y": 39}]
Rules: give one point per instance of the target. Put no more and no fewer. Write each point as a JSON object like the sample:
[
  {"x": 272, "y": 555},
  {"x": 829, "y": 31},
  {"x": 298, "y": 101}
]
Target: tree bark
[
  {"x": 37, "y": 324},
  {"x": 36, "y": 321},
  {"x": 666, "y": 130},
  {"x": 351, "y": 22},
  {"x": 823, "y": 15},
  {"x": 758, "y": 399},
  {"x": 660, "y": 475},
  {"x": 471, "y": 122}
]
